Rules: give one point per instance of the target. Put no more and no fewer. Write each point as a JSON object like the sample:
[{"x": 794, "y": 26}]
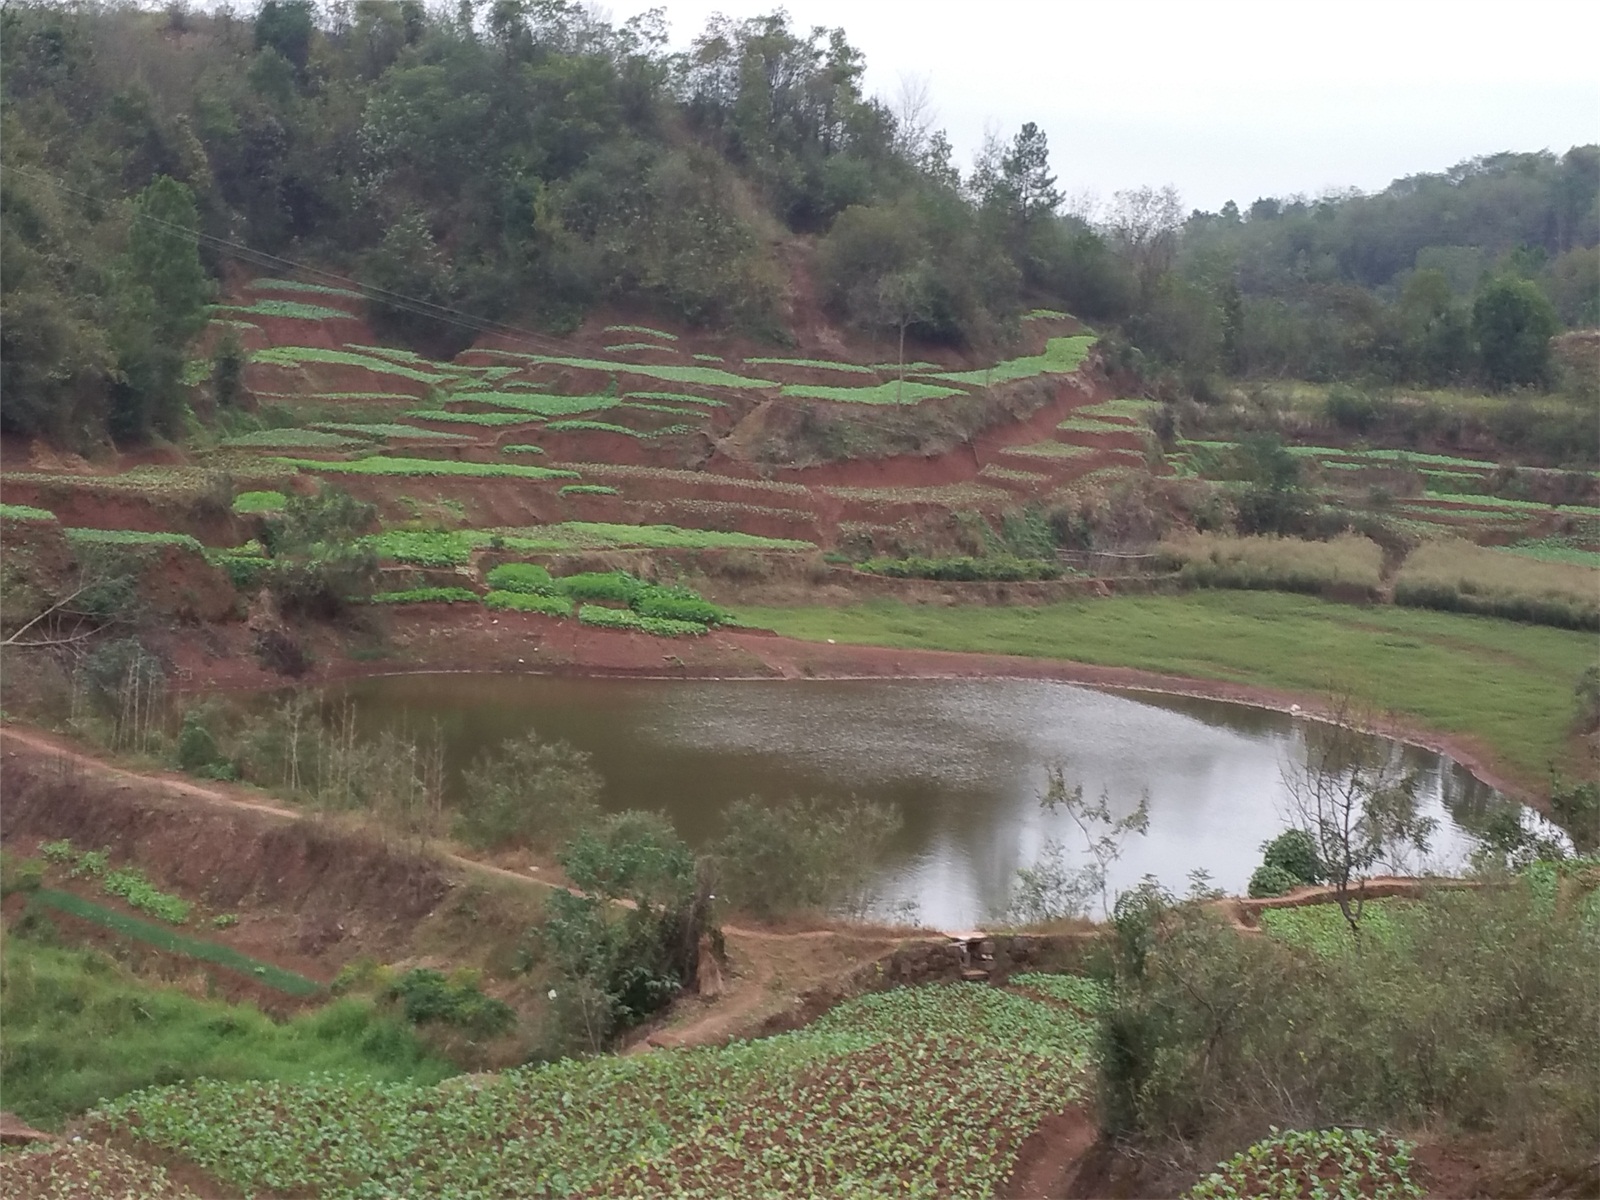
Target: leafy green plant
[
  {"x": 520, "y": 577},
  {"x": 677, "y": 604},
  {"x": 622, "y": 618},
  {"x": 248, "y": 503},
  {"x": 1333, "y": 1163},
  {"x": 554, "y": 606},
  {"x": 130, "y": 884},
  {"x": 616, "y": 586},
  {"x": 587, "y": 489},
  {"x": 424, "y": 547}
]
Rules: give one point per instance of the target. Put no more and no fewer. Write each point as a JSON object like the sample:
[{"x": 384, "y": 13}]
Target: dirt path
[{"x": 767, "y": 964}]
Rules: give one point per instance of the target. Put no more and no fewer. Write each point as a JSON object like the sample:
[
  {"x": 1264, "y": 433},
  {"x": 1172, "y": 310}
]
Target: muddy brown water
[{"x": 963, "y": 761}]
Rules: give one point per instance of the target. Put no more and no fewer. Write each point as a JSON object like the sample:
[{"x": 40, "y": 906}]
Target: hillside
[{"x": 355, "y": 341}]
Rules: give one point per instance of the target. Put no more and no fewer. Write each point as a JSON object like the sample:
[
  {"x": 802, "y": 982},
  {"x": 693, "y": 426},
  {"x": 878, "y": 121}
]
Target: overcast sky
[{"x": 1228, "y": 100}]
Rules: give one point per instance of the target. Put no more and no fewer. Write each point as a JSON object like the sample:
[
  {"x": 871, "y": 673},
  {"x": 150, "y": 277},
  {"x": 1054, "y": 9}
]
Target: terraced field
[{"x": 918, "y": 1092}]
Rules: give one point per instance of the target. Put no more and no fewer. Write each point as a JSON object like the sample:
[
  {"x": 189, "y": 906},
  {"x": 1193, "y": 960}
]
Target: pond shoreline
[{"x": 442, "y": 639}]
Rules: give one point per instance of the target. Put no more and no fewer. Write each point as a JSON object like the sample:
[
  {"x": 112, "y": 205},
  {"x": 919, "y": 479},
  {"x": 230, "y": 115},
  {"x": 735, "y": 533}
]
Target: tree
[
  {"x": 1356, "y": 800},
  {"x": 531, "y": 793},
  {"x": 1513, "y": 323},
  {"x": 1025, "y": 171},
  {"x": 1144, "y": 223},
  {"x": 1052, "y": 888},
  {"x": 160, "y": 291}
]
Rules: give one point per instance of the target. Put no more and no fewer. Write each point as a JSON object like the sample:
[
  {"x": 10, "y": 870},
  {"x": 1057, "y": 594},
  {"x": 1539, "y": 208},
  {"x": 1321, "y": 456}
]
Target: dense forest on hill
[{"x": 522, "y": 161}]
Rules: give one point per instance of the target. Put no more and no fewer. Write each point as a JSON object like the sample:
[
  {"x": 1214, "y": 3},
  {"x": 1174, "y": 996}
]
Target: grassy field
[
  {"x": 80, "y": 1029},
  {"x": 1508, "y": 686}
]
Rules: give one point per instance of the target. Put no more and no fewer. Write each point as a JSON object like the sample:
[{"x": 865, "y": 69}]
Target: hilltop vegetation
[{"x": 536, "y": 162}]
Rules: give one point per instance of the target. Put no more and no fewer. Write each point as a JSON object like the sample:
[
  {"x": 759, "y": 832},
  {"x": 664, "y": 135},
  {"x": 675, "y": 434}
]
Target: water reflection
[{"x": 964, "y": 761}]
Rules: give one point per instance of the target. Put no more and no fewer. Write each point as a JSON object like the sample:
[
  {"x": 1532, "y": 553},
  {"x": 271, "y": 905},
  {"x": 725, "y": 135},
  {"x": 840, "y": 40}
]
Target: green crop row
[
  {"x": 587, "y": 489},
  {"x": 679, "y": 397},
  {"x": 596, "y": 535},
  {"x": 25, "y": 512},
  {"x": 427, "y": 595},
  {"x": 909, "y": 391},
  {"x": 705, "y": 376},
  {"x": 296, "y": 356},
  {"x": 625, "y": 618},
  {"x": 425, "y": 547},
  {"x": 489, "y": 419},
  {"x": 522, "y": 448},
  {"x": 286, "y": 308},
  {"x": 382, "y": 429},
  {"x": 131, "y": 537},
  {"x": 383, "y": 465},
  {"x": 543, "y": 404},
  {"x": 294, "y": 285},
  {"x": 1062, "y": 356},
  {"x": 656, "y": 333},
  {"x": 246, "y": 503},
  {"x": 130, "y": 884},
  {"x": 172, "y": 942},
  {"x": 999, "y": 568},
  {"x": 291, "y": 439},
  {"x": 816, "y": 364},
  {"x": 620, "y": 347}
]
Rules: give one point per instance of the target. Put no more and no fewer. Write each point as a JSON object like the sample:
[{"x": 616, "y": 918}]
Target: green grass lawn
[
  {"x": 81, "y": 1030},
  {"x": 1507, "y": 685}
]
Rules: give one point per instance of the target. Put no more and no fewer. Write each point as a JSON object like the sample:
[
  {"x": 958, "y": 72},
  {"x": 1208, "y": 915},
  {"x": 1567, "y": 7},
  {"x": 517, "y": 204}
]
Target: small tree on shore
[
  {"x": 1053, "y": 887},
  {"x": 1356, "y": 800}
]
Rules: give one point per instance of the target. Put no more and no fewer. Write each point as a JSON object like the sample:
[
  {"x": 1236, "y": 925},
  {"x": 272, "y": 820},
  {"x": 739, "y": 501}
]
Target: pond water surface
[{"x": 964, "y": 761}]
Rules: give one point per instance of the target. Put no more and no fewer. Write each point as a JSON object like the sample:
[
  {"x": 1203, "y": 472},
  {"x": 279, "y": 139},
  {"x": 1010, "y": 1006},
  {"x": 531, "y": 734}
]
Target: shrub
[
  {"x": 1294, "y": 851},
  {"x": 1479, "y": 1011},
  {"x": 555, "y": 606},
  {"x": 676, "y": 604},
  {"x": 1271, "y": 880},
  {"x": 530, "y": 792},
  {"x": 1274, "y": 563},
  {"x": 520, "y": 577},
  {"x": 426, "y": 995},
  {"x": 617, "y": 586},
  {"x": 1457, "y": 576},
  {"x": 997, "y": 569}
]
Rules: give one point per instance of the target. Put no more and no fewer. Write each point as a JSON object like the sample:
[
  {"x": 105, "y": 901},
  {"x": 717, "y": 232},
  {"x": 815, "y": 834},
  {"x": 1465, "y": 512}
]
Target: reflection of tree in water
[{"x": 1470, "y": 802}]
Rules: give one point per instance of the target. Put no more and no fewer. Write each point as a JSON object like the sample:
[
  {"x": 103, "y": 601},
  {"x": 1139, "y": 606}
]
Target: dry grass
[
  {"x": 1274, "y": 563},
  {"x": 1457, "y": 575}
]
